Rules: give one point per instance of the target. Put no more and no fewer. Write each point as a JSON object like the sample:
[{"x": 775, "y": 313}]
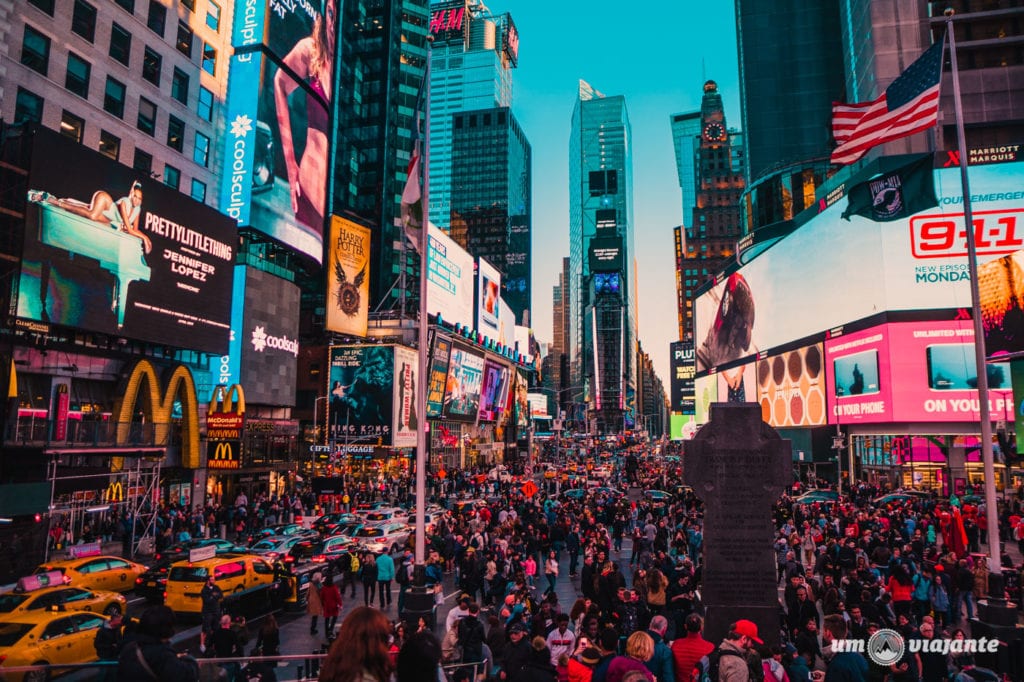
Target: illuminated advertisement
[
  {"x": 737, "y": 384},
  {"x": 488, "y": 295},
  {"x": 791, "y": 388},
  {"x": 462, "y": 390},
  {"x": 269, "y": 338},
  {"x": 277, "y": 138},
  {"x": 108, "y": 249},
  {"x": 606, "y": 283},
  {"x": 1001, "y": 287},
  {"x": 606, "y": 254},
  {"x": 405, "y": 410},
  {"x": 228, "y": 369},
  {"x": 538, "y": 405},
  {"x": 348, "y": 277},
  {"x": 449, "y": 279},
  {"x": 506, "y": 324},
  {"x": 792, "y": 289},
  {"x": 911, "y": 372},
  {"x": 510, "y": 42},
  {"x": 515, "y": 281},
  {"x": 706, "y": 389},
  {"x": 438, "y": 378},
  {"x": 682, "y": 374},
  {"x": 494, "y": 392},
  {"x": 681, "y": 426},
  {"x": 360, "y": 383},
  {"x": 449, "y": 22},
  {"x": 522, "y": 400}
]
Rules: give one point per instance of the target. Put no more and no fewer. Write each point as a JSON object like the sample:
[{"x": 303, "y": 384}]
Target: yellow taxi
[
  {"x": 32, "y": 594},
  {"x": 233, "y": 573},
  {"x": 97, "y": 572},
  {"x": 550, "y": 472},
  {"x": 46, "y": 638}
]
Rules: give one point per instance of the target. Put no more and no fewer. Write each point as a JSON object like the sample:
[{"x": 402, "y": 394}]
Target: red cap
[{"x": 747, "y": 628}]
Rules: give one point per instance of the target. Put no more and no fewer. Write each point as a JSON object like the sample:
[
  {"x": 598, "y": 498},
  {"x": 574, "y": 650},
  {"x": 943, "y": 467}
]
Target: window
[
  {"x": 83, "y": 20},
  {"x": 28, "y": 107},
  {"x": 72, "y": 126},
  {"x": 127, "y": 5},
  {"x": 77, "y": 78},
  {"x": 205, "y": 108},
  {"x": 120, "y": 44},
  {"x": 184, "y": 43},
  {"x": 179, "y": 86},
  {"x": 35, "y": 50},
  {"x": 143, "y": 161},
  {"x": 213, "y": 15},
  {"x": 113, "y": 97},
  {"x": 147, "y": 116},
  {"x": 199, "y": 190},
  {"x": 151, "y": 62},
  {"x": 201, "y": 151},
  {"x": 172, "y": 176},
  {"x": 45, "y": 5},
  {"x": 110, "y": 145},
  {"x": 157, "y": 17},
  {"x": 190, "y": 4},
  {"x": 175, "y": 133},
  {"x": 209, "y": 59}
]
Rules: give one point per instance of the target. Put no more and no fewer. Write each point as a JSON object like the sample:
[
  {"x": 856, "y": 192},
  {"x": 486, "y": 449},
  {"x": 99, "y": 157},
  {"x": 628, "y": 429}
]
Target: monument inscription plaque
[{"x": 739, "y": 466}]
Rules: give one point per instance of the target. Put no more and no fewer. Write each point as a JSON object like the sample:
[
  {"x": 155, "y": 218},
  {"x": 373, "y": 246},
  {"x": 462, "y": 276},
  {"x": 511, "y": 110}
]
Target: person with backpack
[
  {"x": 733, "y": 661},
  {"x": 845, "y": 666},
  {"x": 471, "y": 635}
]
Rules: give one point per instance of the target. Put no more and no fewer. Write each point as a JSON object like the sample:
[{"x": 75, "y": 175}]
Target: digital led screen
[
  {"x": 488, "y": 296},
  {"x": 269, "y": 338},
  {"x": 462, "y": 391},
  {"x": 706, "y": 388},
  {"x": 789, "y": 291},
  {"x": 682, "y": 374},
  {"x": 606, "y": 282},
  {"x": 791, "y": 387},
  {"x": 108, "y": 249},
  {"x": 406, "y": 411},
  {"x": 606, "y": 254},
  {"x": 438, "y": 376},
  {"x": 450, "y": 280},
  {"x": 360, "y": 383},
  {"x": 494, "y": 392},
  {"x": 1001, "y": 288}
]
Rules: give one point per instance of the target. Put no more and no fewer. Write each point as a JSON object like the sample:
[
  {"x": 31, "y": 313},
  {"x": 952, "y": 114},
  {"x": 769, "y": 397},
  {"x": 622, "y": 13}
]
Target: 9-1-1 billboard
[{"x": 109, "y": 250}]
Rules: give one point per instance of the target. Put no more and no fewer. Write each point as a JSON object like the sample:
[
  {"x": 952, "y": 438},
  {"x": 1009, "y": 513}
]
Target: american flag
[{"x": 909, "y": 105}]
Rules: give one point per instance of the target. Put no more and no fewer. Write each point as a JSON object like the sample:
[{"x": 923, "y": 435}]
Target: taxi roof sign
[
  {"x": 202, "y": 553},
  {"x": 38, "y": 581}
]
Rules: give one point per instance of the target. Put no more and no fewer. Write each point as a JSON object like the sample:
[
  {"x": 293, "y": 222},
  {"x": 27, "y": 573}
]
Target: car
[
  {"x": 812, "y": 496},
  {"x": 280, "y": 529},
  {"x": 550, "y": 472},
  {"x": 152, "y": 584},
  {"x": 501, "y": 474},
  {"x": 47, "y": 638},
  {"x": 331, "y": 550},
  {"x": 463, "y": 507},
  {"x": 180, "y": 551},
  {"x": 60, "y": 597},
  {"x": 386, "y": 537},
  {"x": 603, "y": 471},
  {"x": 111, "y": 573},
  {"x": 575, "y": 494},
  {"x": 899, "y": 498},
  {"x": 326, "y": 524},
  {"x": 349, "y": 529},
  {"x": 277, "y": 547},
  {"x": 610, "y": 492},
  {"x": 387, "y": 514},
  {"x": 233, "y": 573}
]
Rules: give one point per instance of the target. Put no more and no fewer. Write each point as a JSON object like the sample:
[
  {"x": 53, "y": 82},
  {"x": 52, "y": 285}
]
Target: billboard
[
  {"x": 406, "y": 412},
  {"x": 360, "y": 383},
  {"x": 449, "y": 22},
  {"x": 789, "y": 291},
  {"x": 438, "y": 377},
  {"x": 681, "y": 426},
  {"x": 605, "y": 254},
  {"x": 510, "y": 43},
  {"x": 506, "y": 325},
  {"x": 522, "y": 400},
  {"x": 228, "y": 369},
  {"x": 538, "y": 405},
  {"x": 706, "y": 388},
  {"x": 462, "y": 389},
  {"x": 348, "y": 277},
  {"x": 494, "y": 392},
  {"x": 737, "y": 384},
  {"x": 681, "y": 381},
  {"x": 449, "y": 279},
  {"x": 269, "y": 338},
  {"x": 276, "y": 147},
  {"x": 108, "y": 249},
  {"x": 488, "y": 317},
  {"x": 1001, "y": 288},
  {"x": 791, "y": 387},
  {"x": 911, "y": 372}
]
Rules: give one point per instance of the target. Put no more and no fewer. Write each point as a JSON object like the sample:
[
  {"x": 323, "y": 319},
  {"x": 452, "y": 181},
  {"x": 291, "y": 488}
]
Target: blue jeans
[
  {"x": 552, "y": 577},
  {"x": 960, "y": 599}
]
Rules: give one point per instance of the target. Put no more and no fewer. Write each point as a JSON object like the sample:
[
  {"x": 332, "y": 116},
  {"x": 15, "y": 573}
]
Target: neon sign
[{"x": 445, "y": 20}]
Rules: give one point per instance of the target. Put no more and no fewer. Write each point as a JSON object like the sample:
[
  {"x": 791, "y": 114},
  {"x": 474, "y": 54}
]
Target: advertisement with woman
[{"x": 462, "y": 392}]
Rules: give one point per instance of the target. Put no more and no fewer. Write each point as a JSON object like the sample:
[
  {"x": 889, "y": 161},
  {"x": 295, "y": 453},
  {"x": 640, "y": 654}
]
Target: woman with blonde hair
[
  {"x": 639, "y": 650},
  {"x": 360, "y": 653}
]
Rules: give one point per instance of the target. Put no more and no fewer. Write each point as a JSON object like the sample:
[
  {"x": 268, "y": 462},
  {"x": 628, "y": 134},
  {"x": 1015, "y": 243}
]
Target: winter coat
[
  {"x": 661, "y": 664},
  {"x": 330, "y": 598},
  {"x": 314, "y": 605},
  {"x": 160, "y": 658},
  {"x": 385, "y": 567}
]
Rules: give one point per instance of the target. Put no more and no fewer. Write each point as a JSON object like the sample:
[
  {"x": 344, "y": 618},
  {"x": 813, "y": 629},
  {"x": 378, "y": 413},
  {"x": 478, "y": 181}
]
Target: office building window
[
  {"x": 205, "y": 108},
  {"x": 127, "y": 5},
  {"x": 83, "y": 20},
  {"x": 45, "y": 5},
  {"x": 199, "y": 190},
  {"x": 147, "y": 116},
  {"x": 72, "y": 126},
  {"x": 157, "y": 17},
  {"x": 77, "y": 78},
  {"x": 179, "y": 86},
  {"x": 28, "y": 107},
  {"x": 213, "y": 15},
  {"x": 175, "y": 133},
  {"x": 110, "y": 145},
  {"x": 209, "y": 59},
  {"x": 184, "y": 43},
  {"x": 143, "y": 161},
  {"x": 172, "y": 176},
  {"x": 35, "y": 50},
  {"x": 151, "y": 62},
  {"x": 189, "y": 4},
  {"x": 201, "y": 151},
  {"x": 120, "y": 44},
  {"x": 113, "y": 97}
]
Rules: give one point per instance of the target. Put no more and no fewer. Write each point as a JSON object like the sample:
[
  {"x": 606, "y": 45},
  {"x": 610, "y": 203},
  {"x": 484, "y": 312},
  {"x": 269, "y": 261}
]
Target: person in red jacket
[
  {"x": 330, "y": 595},
  {"x": 686, "y": 651},
  {"x": 901, "y": 587}
]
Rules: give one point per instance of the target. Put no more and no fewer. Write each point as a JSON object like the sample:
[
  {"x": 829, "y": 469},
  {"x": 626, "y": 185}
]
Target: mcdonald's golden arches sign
[
  {"x": 224, "y": 455},
  {"x": 226, "y": 414}
]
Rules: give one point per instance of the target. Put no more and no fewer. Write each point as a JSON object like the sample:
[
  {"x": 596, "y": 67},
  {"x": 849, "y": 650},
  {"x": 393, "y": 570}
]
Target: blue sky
[{"x": 657, "y": 56}]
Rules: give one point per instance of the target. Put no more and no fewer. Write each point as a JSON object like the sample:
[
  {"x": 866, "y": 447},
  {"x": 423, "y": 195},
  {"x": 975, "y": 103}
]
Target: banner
[
  {"x": 450, "y": 280},
  {"x": 681, "y": 380},
  {"x": 405, "y": 410},
  {"x": 488, "y": 319},
  {"x": 348, "y": 277},
  {"x": 438, "y": 375},
  {"x": 360, "y": 385},
  {"x": 462, "y": 390},
  {"x": 226, "y": 454},
  {"x": 791, "y": 388},
  {"x": 494, "y": 392}
]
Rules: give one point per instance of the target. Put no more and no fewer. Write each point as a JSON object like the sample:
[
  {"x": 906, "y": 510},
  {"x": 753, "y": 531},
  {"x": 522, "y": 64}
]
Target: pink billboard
[{"x": 911, "y": 372}]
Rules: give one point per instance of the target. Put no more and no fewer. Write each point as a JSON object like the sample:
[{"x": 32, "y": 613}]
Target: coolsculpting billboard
[
  {"x": 107, "y": 249},
  {"x": 449, "y": 279},
  {"x": 831, "y": 271},
  {"x": 406, "y": 411},
  {"x": 348, "y": 278},
  {"x": 269, "y": 338},
  {"x": 360, "y": 383},
  {"x": 462, "y": 390},
  {"x": 488, "y": 319}
]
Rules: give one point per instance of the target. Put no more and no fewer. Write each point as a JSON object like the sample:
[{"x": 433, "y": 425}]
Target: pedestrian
[
  {"x": 581, "y": 667},
  {"x": 212, "y": 598},
  {"x": 330, "y": 598},
  {"x": 268, "y": 638},
  {"x": 369, "y": 577},
  {"x": 687, "y": 650},
  {"x": 471, "y": 635},
  {"x": 385, "y": 574},
  {"x": 149, "y": 656},
  {"x": 639, "y": 650},
  {"x": 108, "y": 643},
  {"x": 314, "y": 603},
  {"x": 517, "y": 653},
  {"x": 360, "y": 653},
  {"x": 419, "y": 659},
  {"x": 661, "y": 664},
  {"x": 735, "y": 662},
  {"x": 551, "y": 571}
]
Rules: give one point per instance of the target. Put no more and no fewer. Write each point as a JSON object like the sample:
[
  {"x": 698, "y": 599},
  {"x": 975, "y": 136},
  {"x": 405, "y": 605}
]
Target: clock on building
[{"x": 714, "y": 132}]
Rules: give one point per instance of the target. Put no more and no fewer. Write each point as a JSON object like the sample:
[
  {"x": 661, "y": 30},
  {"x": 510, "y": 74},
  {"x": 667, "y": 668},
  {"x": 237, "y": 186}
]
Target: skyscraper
[
  {"x": 604, "y": 324},
  {"x": 561, "y": 328},
  {"x": 685, "y": 141}
]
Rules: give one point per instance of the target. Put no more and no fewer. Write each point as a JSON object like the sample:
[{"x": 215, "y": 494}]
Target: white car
[
  {"x": 603, "y": 471},
  {"x": 500, "y": 474},
  {"x": 384, "y": 537},
  {"x": 386, "y": 515}
]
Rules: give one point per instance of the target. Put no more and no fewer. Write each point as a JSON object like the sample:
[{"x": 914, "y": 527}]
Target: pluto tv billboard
[{"x": 107, "y": 249}]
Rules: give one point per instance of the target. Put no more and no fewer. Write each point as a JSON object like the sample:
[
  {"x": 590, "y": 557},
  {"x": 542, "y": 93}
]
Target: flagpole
[{"x": 991, "y": 512}]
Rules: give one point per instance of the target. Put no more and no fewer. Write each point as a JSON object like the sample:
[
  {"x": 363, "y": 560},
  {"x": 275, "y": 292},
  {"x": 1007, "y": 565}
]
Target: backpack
[
  {"x": 706, "y": 669},
  {"x": 355, "y": 564}
]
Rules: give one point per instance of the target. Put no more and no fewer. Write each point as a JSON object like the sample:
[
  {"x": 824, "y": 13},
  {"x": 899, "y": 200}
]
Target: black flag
[{"x": 898, "y": 194}]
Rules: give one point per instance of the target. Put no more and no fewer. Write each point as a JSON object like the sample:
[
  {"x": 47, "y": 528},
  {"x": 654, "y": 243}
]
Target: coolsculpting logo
[
  {"x": 261, "y": 341},
  {"x": 886, "y": 646},
  {"x": 241, "y": 126}
]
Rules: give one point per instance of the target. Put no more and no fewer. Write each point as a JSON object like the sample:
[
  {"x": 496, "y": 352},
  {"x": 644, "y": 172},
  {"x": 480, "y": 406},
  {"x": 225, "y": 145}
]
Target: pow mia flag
[{"x": 898, "y": 194}]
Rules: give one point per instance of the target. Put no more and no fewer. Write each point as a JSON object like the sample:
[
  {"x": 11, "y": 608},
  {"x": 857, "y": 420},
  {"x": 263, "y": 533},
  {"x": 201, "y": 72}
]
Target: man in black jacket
[
  {"x": 108, "y": 644},
  {"x": 517, "y": 653},
  {"x": 211, "y": 597},
  {"x": 149, "y": 656},
  {"x": 471, "y": 635}
]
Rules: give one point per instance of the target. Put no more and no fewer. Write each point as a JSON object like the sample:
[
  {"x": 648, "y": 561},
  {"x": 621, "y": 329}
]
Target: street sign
[
  {"x": 529, "y": 488},
  {"x": 320, "y": 448}
]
